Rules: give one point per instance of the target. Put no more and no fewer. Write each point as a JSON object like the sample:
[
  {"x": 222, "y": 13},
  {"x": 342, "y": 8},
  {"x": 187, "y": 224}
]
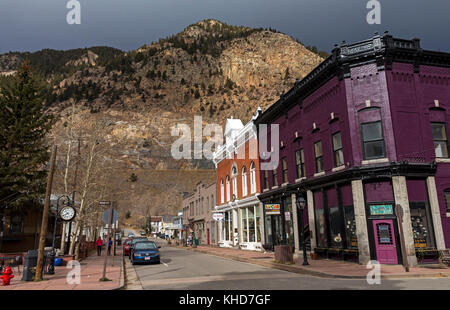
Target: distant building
[
  {"x": 198, "y": 208},
  {"x": 156, "y": 222}
]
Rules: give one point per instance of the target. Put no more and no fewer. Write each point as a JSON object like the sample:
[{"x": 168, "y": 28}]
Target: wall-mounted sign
[
  {"x": 218, "y": 216},
  {"x": 381, "y": 210},
  {"x": 272, "y": 208},
  {"x": 287, "y": 216}
]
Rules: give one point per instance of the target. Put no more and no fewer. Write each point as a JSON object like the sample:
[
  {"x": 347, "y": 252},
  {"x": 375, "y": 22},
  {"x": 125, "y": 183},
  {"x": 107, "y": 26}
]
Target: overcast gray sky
[{"x": 30, "y": 25}]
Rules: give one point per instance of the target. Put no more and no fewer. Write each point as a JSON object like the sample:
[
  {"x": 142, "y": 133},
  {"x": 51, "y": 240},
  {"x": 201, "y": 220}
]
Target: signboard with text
[
  {"x": 272, "y": 208},
  {"x": 381, "y": 210},
  {"x": 218, "y": 216}
]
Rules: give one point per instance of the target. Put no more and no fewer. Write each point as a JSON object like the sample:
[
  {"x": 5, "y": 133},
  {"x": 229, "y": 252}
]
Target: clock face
[{"x": 67, "y": 213}]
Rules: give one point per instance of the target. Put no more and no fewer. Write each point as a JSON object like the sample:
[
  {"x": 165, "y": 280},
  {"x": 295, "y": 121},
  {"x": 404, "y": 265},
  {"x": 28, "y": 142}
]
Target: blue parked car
[{"x": 145, "y": 252}]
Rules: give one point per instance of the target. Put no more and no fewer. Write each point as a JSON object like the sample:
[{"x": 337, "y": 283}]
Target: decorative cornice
[{"x": 381, "y": 50}]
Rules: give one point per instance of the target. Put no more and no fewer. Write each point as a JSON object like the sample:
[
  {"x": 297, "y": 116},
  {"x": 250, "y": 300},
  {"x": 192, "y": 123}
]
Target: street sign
[
  {"x": 105, "y": 216},
  {"x": 218, "y": 216}
]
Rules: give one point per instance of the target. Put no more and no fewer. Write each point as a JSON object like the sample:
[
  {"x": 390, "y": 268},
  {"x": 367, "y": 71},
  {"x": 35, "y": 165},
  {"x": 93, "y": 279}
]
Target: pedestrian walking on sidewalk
[
  {"x": 99, "y": 246},
  {"x": 109, "y": 246}
]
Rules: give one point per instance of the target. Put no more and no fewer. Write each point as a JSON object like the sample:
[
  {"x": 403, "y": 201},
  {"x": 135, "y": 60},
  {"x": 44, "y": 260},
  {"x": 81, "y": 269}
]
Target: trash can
[
  {"x": 196, "y": 241},
  {"x": 29, "y": 265}
]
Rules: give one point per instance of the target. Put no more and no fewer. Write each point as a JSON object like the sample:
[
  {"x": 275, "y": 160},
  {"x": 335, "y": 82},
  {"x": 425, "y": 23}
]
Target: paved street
[{"x": 189, "y": 270}]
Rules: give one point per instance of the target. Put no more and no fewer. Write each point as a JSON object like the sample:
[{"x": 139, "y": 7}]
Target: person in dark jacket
[{"x": 109, "y": 246}]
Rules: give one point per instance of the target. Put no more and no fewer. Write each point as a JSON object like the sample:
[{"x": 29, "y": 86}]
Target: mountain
[{"x": 210, "y": 69}]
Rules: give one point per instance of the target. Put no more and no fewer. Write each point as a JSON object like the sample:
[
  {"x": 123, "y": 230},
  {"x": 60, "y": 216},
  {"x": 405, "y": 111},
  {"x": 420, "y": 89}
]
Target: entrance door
[
  {"x": 207, "y": 233},
  {"x": 385, "y": 242}
]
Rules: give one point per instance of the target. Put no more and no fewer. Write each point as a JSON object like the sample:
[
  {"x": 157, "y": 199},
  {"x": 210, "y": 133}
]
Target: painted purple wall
[
  {"x": 378, "y": 191},
  {"x": 412, "y": 98}
]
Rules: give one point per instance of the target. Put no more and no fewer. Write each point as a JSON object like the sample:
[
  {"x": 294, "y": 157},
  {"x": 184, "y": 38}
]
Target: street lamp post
[
  {"x": 51, "y": 265},
  {"x": 301, "y": 203}
]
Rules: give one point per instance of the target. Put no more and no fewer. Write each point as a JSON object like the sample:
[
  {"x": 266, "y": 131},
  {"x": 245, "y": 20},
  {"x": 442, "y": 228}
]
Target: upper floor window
[
  {"x": 222, "y": 191},
  {"x": 318, "y": 154},
  {"x": 447, "y": 199},
  {"x": 338, "y": 154},
  {"x": 300, "y": 163},
  {"x": 274, "y": 177},
  {"x": 252, "y": 178},
  {"x": 285, "y": 170},
  {"x": 266, "y": 179},
  {"x": 234, "y": 180},
  {"x": 212, "y": 202},
  {"x": 440, "y": 139},
  {"x": 373, "y": 140},
  {"x": 228, "y": 188},
  {"x": 244, "y": 181}
]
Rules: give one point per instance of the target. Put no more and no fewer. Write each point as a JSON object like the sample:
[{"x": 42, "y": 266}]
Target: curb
[
  {"x": 122, "y": 282},
  {"x": 316, "y": 273}
]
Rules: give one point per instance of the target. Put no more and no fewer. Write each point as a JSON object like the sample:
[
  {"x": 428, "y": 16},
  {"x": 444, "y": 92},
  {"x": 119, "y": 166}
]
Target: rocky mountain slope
[{"x": 210, "y": 69}]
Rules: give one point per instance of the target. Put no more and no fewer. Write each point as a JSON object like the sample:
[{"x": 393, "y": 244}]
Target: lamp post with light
[{"x": 301, "y": 203}]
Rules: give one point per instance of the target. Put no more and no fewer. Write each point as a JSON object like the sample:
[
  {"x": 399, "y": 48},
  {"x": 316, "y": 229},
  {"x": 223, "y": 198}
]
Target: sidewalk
[
  {"x": 91, "y": 272},
  {"x": 323, "y": 267}
]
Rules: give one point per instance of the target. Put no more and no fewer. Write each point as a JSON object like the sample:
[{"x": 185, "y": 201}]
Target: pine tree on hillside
[{"x": 23, "y": 149}]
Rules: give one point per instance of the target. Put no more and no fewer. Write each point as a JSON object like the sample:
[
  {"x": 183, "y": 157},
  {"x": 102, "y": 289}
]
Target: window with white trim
[
  {"x": 244, "y": 181},
  {"x": 252, "y": 178}
]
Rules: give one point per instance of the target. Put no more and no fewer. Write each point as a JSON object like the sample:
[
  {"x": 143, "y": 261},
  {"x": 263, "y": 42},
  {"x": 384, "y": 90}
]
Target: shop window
[
  {"x": 244, "y": 225},
  {"x": 372, "y": 140},
  {"x": 244, "y": 181},
  {"x": 227, "y": 223},
  {"x": 251, "y": 224},
  {"x": 336, "y": 221},
  {"x": 421, "y": 226},
  {"x": 274, "y": 177},
  {"x": 300, "y": 163},
  {"x": 440, "y": 139},
  {"x": 285, "y": 170},
  {"x": 212, "y": 202},
  {"x": 257, "y": 225},
  {"x": 338, "y": 154},
  {"x": 350, "y": 227},
  {"x": 321, "y": 227},
  {"x": 252, "y": 178},
  {"x": 447, "y": 199},
  {"x": 318, "y": 154}
]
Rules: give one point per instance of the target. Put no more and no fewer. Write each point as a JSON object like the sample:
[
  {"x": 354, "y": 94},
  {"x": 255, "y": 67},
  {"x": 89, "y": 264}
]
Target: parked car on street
[
  {"x": 130, "y": 235},
  {"x": 146, "y": 252},
  {"x": 126, "y": 246},
  {"x": 143, "y": 233},
  {"x": 133, "y": 243}
]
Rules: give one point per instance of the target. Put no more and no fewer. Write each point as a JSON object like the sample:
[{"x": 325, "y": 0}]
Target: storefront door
[
  {"x": 385, "y": 244},
  {"x": 207, "y": 233}
]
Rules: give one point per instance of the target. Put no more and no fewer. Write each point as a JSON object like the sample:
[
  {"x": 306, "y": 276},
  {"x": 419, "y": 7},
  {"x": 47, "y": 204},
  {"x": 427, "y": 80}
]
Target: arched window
[
  {"x": 234, "y": 173},
  {"x": 222, "y": 191},
  {"x": 244, "y": 181},
  {"x": 228, "y": 188},
  {"x": 252, "y": 178}
]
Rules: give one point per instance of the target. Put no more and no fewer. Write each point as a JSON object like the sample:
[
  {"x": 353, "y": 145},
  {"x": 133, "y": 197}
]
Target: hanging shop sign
[
  {"x": 272, "y": 209},
  {"x": 381, "y": 210},
  {"x": 218, "y": 216}
]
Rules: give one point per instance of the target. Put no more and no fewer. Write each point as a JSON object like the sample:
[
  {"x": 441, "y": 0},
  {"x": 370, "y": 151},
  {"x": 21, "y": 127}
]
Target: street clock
[{"x": 67, "y": 213}]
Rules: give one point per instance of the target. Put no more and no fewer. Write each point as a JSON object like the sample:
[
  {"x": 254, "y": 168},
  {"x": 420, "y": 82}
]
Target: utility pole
[
  {"x": 104, "y": 278},
  {"x": 40, "y": 260}
]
